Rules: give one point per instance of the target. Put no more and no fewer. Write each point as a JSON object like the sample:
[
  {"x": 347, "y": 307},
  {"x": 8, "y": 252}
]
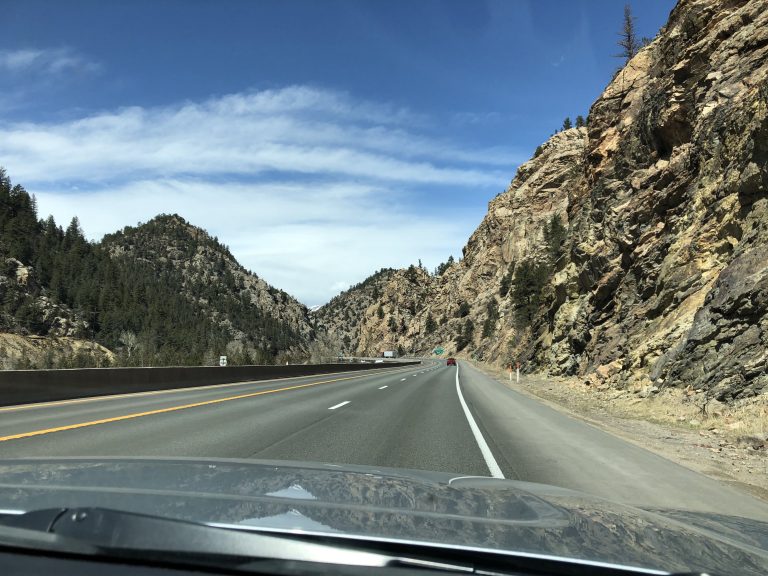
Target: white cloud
[
  {"x": 310, "y": 188},
  {"x": 297, "y": 130},
  {"x": 46, "y": 61}
]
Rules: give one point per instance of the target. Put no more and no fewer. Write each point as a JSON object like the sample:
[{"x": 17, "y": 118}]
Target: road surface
[{"x": 430, "y": 416}]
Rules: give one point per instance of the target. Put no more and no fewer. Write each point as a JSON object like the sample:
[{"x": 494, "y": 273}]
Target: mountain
[
  {"x": 632, "y": 252},
  {"x": 340, "y": 316},
  {"x": 160, "y": 293},
  {"x": 254, "y": 316}
]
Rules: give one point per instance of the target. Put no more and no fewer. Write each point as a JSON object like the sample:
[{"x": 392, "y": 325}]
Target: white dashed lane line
[
  {"x": 382, "y": 387},
  {"x": 339, "y": 405},
  {"x": 402, "y": 379}
]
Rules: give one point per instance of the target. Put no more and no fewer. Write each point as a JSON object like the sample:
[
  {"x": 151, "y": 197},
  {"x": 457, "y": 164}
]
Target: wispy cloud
[
  {"x": 558, "y": 61},
  {"x": 47, "y": 61},
  {"x": 293, "y": 130},
  {"x": 310, "y": 188},
  {"x": 476, "y": 118}
]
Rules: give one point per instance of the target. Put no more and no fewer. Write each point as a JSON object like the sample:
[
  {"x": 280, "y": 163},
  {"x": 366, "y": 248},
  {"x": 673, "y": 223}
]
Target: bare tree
[
  {"x": 628, "y": 40},
  {"x": 235, "y": 351},
  {"x": 129, "y": 341}
]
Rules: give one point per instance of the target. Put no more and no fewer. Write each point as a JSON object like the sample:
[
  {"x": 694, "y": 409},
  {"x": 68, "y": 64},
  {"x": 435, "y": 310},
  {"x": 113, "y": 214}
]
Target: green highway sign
[{"x": 438, "y": 351}]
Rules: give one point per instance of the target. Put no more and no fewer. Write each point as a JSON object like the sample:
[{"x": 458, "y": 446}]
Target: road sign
[
  {"x": 222, "y": 360},
  {"x": 438, "y": 351}
]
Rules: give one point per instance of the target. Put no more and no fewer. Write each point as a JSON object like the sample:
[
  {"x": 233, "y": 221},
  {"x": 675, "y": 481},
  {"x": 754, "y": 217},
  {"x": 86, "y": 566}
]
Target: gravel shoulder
[{"x": 726, "y": 443}]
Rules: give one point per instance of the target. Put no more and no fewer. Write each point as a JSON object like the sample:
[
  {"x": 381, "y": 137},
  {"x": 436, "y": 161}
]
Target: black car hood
[{"x": 393, "y": 504}]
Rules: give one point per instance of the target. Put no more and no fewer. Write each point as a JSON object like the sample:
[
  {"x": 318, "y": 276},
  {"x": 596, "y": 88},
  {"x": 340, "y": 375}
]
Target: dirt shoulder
[{"x": 727, "y": 443}]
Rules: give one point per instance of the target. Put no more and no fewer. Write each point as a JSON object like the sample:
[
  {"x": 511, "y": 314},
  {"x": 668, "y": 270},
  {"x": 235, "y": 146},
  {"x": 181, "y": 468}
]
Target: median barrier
[{"x": 30, "y": 386}]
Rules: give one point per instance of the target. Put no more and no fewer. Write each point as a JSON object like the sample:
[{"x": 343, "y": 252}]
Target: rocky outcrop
[
  {"x": 35, "y": 311},
  {"x": 19, "y": 352},
  {"x": 661, "y": 277},
  {"x": 670, "y": 237},
  {"x": 342, "y": 315},
  {"x": 464, "y": 309},
  {"x": 42, "y": 333}
]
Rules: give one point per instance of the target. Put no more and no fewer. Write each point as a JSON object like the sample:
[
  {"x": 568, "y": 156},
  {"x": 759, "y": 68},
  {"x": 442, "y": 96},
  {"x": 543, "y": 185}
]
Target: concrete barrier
[{"x": 29, "y": 386}]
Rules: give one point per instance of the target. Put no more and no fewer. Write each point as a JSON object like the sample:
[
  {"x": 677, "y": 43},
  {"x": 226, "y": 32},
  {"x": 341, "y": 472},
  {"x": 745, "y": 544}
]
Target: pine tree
[
  {"x": 580, "y": 123},
  {"x": 430, "y": 325},
  {"x": 530, "y": 278},
  {"x": 465, "y": 335},
  {"x": 554, "y": 234},
  {"x": 441, "y": 268},
  {"x": 506, "y": 282},
  {"x": 628, "y": 41},
  {"x": 567, "y": 123},
  {"x": 492, "y": 316}
]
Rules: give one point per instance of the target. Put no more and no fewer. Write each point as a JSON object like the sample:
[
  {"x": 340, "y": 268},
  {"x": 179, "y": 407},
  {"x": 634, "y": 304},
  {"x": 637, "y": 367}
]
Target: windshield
[{"x": 486, "y": 274}]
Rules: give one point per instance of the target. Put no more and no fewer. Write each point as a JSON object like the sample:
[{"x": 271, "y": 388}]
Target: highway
[{"x": 428, "y": 416}]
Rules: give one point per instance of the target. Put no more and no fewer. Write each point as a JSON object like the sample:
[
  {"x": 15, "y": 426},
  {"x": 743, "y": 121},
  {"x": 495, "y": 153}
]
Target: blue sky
[{"x": 320, "y": 140}]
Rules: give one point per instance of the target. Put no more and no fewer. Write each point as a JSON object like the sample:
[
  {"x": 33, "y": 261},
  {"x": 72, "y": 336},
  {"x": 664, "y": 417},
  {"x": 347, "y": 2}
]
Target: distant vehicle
[
  {"x": 389, "y": 354},
  {"x": 450, "y": 362}
]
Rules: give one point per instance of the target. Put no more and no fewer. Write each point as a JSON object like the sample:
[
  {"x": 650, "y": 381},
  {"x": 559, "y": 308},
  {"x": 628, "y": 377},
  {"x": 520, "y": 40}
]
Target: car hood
[{"x": 392, "y": 504}]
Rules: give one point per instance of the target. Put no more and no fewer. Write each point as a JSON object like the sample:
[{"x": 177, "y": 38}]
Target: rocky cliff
[
  {"x": 633, "y": 252},
  {"x": 341, "y": 316}
]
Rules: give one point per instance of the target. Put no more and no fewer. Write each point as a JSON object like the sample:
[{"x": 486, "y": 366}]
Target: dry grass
[
  {"x": 683, "y": 409},
  {"x": 725, "y": 442},
  {"x": 679, "y": 408}
]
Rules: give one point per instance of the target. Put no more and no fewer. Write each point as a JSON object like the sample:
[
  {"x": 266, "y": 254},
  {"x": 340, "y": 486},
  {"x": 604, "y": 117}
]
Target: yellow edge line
[{"x": 170, "y": 409}]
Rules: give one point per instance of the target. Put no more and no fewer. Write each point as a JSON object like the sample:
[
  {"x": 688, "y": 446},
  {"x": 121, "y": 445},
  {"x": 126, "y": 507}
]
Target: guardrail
[{"x": 30, "y": 386}]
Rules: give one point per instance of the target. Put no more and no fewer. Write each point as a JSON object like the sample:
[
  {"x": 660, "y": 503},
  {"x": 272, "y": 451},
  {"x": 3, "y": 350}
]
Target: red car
[{"x": 451, "y": 362}]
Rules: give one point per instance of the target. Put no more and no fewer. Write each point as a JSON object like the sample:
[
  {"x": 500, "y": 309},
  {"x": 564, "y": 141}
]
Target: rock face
[
  {"x": 19, "y": 352},
  {"x": 661, "y": 277},
  {"x": 341, "y": 316},
  {"x": 670, "y": 241}
]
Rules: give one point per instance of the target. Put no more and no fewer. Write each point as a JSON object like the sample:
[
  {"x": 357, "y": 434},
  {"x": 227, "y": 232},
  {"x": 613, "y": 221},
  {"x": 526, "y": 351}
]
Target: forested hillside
[{"x": 161, "y": 293}]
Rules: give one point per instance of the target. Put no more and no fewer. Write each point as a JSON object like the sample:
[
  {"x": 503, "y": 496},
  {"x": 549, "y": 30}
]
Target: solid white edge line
[
  {"x": 339, "y": 405},
  {"x": 490, "y": 461}
]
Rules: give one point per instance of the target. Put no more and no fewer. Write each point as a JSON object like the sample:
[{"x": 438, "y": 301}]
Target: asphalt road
[{"x": 422, "y": 417}]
